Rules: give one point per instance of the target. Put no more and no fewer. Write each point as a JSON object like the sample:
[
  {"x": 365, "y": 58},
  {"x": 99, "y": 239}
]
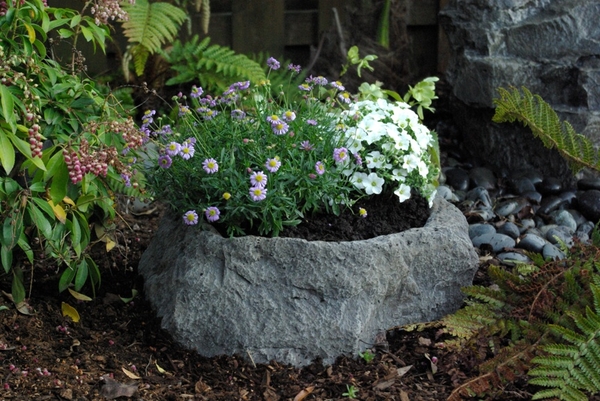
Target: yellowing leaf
[
  {"x": 160, "y": 370},
  {"x": 30, "y": 32},
  {"x": 130, "y": 374},
  {"x": 68, "y": 201},
  {"x": 110, "y": 244},
  {"x": 79, "y": 296},
  {"x": 68, "y": 310},
  {"x": 59, "y": 212}
]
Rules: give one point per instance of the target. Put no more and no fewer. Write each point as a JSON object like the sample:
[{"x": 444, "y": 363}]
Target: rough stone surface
[
  {"x": 292, "y": 300},
  {"x": 552, "y": 47}
]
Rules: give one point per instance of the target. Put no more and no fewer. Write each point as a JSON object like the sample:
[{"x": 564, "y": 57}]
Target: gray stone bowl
[{"x": 293, "y": 300}]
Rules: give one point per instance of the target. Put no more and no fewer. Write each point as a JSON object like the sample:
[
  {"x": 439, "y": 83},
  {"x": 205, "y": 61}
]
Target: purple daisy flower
[
  {"x": 337, "y": 85},
  {"x": 258, "y": 179},
  {"x": 289, "y": 115},
  {"x": 320, "y": 168},
  {"x": 241, "y": 85},
  {"x": 305, "y": 87},
  {"x": 273, "y": 164},
  {"x": 273, "y": 64},
  {"x": 196, "y": 92},
  {"x": 187, "y": 150},
  {"x": 165, "y": 161},
  {"x": 238, "y": 114},
  {"x": 273, "y": 119},
  {"x": 306, "y": 145},
  {"x": 212, "y": 214},
  {"x": 357, "y": 159},
  {"x": 190, "y": 217},
  {"x": 311, "y": 122},
  {"x": 258, "y": 193},
  {"x": 344, "y": 97},
  {"x": 210, "y": 166},
  {"x": 280, "y": 128},
  {"x": 294, "y": 68},
  {"x": 173, "y": 148},
  {"x": 340, "y": 155}
]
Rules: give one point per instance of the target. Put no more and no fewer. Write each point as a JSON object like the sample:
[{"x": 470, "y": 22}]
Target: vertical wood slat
[
  {"x": 326, "y": 16},
  {"x": 258, "y": 24}
]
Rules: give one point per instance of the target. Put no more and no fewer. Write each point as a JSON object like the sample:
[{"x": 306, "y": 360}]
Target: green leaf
[
  {"x": 25, "y": 247},
  {"x": 37, "y": 187},
  {"x": 82, "y": 275},
  {"x": 75, "y": 235},
  {"x": 18, "y": 290},
  {"x": 87, "y": 33},
  {"x": 7, "y": 257},
  {"x": 24, "y": 148},
  {"x": 40, "y": 221},
  {"x": 7, "y": 103},
  {"x": 45, "y": 206},
  {"x": 60, "y": 181},
  {"x": 7, "y": 153},
  {"x": 66, "y": 278}
]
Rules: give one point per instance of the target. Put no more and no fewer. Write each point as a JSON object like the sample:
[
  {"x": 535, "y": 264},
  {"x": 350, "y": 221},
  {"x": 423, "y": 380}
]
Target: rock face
[
  {"x": 293, "y": 300},
  {"x": 552, "y": 47}
]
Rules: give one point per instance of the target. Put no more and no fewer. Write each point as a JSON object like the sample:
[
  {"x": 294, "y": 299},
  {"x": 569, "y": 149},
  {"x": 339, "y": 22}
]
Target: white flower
[
  {"x": 373, "y": 129},
  {"x": 423, "y": 169},
  {"x": 374, "y": 184},
  {"x": 403, "y": 192},
  {"x": 354, "y": 145},
  {"x": 422, "y": 135},
  {"x": 375, "y": 159},
  {"x": 411, "y": 162},
  {"x": 399, "y": 174},
  {"x": 359, "y": 179}
]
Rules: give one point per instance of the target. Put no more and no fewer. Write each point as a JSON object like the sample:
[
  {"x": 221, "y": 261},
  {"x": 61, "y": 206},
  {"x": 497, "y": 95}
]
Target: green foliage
[
  {"x": 572, "y": 366},
  {"x": 354, "y": 59},
  {"x": 214, "y": 67},
  {"x": 149, "y": 27},
  {"x": 367, "y": 356},
  {"x": 541, "y": 320},
  {"x": 351, "y": 392},
  {"x": 533, "y": 112},
  {"x": 53, "y": 124}
]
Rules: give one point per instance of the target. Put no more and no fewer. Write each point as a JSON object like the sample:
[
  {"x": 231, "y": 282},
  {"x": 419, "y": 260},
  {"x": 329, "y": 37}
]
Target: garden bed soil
[{"x": 118, "y": 349}]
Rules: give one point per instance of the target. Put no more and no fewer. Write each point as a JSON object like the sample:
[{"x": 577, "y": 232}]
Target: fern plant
[
  {"x": 213, "y": 66},
  {"x": 533, "y": 112},
  {"x": 573, "y": 366},
  {"x": 539, "y": 321},
  {"x": 149, "y": 27}
]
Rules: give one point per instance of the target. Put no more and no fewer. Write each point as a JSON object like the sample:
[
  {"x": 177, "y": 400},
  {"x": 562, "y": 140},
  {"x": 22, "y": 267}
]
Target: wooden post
[
  {"x": 258, "y": 25},
  {"x": 444, "y": 52},
  {"x": 326, "y": 16}
]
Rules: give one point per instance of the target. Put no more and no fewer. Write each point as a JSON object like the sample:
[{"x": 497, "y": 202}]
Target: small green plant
[
  {"x": 351, "y": 392},
  {"x": 354, "y": 59},
  {"x": 367, "y": 356}
]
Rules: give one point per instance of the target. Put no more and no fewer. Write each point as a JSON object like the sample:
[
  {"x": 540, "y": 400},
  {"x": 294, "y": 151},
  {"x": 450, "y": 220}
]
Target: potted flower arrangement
[
  {"x": 248, "y": 162},
  {"x": 252, "y": 163}
]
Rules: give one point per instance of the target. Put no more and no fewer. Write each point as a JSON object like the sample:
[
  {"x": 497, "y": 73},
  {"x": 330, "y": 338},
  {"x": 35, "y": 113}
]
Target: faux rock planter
[{"x": 293, "y": 300}]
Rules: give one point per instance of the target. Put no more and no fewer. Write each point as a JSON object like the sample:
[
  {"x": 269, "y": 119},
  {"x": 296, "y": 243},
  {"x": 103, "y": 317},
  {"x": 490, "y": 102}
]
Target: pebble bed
[{"x": 522, "y": 212}]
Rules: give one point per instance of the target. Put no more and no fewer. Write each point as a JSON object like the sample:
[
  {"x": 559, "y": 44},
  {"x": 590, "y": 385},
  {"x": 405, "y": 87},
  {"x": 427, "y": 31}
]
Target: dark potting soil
[{"x": 385, "y": 215}]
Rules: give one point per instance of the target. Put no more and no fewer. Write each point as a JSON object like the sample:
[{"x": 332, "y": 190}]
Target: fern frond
[
  {"x": 149, "y": 27},
  {"x": 533, "y": 112},
  {"x": 210, "y": 65},
  {"x": 575, "y": 367}
]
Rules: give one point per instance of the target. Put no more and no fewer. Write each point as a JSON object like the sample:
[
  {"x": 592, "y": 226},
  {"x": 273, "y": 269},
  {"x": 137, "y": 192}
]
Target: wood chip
[{"x": 304, "y": 393}]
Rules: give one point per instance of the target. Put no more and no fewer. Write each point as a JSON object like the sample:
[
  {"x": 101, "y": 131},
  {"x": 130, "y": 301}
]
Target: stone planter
[{"x": 293, "y": 300}]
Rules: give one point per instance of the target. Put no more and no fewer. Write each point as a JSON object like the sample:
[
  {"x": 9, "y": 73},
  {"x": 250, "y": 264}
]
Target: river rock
[
  {"x": 497, "y": 241},
  {"x": 532, "y": 242},
  {"x": 292, "y": 300},
  {"x": 589, "y": 204}
]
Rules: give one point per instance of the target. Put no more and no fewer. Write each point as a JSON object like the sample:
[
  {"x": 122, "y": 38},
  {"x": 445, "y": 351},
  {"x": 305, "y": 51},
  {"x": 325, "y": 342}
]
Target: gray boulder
[
  {"x": 552, "y": 47},
  {"x": 293, "y": 300}
]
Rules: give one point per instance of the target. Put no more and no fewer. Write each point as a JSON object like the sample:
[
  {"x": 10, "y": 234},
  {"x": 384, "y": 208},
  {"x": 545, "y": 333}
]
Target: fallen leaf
[
  {"x": 270, "y": 395},
  {"x": 130, "y": 374},
  {"x": 110, "y": 244},
  {"x": 424, "y": 341},
  {"x": 68, "y": 310},
  {"x": 201, "y": 387},
  {"x": 78, "y": 295},
  {"x": 385, "y": 384},
  {"x": 113, "y": 389},
  {"x": 431, "y": 364},
  {"x": 404, "y": 370},
  {"x": 160, "y": 370},
  {"x": 404, "y": 396},
  {"x": 304, "y": 393}
]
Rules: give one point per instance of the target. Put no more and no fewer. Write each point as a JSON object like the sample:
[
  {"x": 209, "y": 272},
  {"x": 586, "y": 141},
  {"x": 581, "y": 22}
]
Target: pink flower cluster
[
  {"x": 35, "y": 141},
  {"x": 105, "y": 10},
  {"x": 95, "y": 162}
]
